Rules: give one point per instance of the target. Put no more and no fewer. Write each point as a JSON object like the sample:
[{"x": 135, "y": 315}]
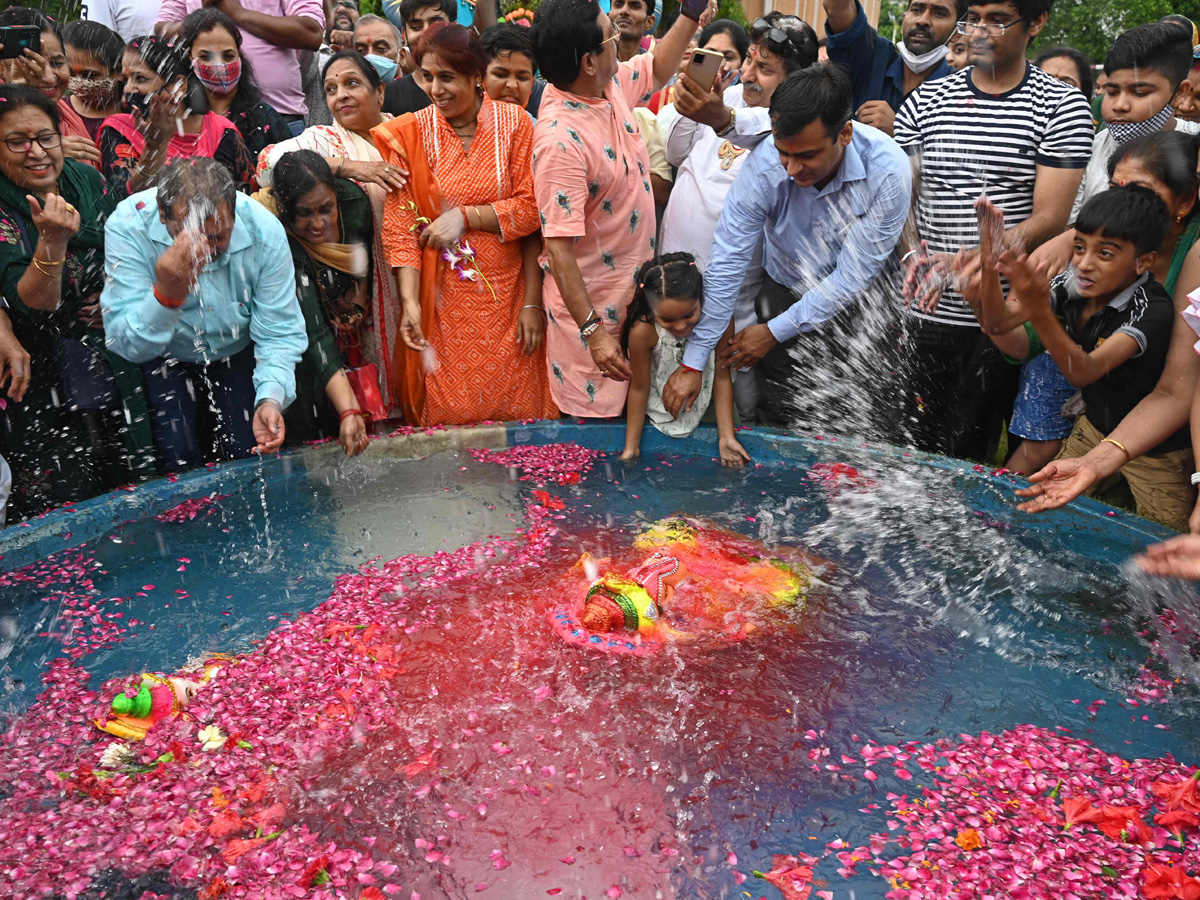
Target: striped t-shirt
[{"x": 969, "y": 142}]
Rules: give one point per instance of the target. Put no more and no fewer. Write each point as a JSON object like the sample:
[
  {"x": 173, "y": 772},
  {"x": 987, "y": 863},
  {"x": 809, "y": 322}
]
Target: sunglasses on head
[{"x": 783, "y": 42}]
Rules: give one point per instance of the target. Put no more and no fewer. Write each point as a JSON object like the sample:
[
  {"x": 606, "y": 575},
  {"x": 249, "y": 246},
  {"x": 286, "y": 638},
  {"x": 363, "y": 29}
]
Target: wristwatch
[
  {"x": 732, "y": 122},
  {"x": 1195, "y": 478}
]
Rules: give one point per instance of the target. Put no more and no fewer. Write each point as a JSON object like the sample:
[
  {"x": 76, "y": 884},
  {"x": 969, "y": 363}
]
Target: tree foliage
[
  {"x": 891, "y": 12},
  {"x": 1091, "y": 25}
]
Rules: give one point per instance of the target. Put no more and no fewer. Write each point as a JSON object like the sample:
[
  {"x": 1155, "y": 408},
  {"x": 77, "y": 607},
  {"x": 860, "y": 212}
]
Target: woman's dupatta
[{"x": 399, "y": 142}]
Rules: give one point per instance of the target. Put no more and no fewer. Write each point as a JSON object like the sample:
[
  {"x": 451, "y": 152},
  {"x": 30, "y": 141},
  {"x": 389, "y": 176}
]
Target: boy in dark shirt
[{"x": 1106, "y": 322}]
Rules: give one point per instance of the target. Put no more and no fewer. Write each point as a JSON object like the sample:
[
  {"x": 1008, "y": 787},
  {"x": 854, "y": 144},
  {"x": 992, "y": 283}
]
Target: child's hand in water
[{"x": 733, "y": 454}]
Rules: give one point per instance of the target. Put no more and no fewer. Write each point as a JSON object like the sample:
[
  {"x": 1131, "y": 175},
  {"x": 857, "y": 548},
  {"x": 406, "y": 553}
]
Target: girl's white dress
[{"x": 666, "y": 357}]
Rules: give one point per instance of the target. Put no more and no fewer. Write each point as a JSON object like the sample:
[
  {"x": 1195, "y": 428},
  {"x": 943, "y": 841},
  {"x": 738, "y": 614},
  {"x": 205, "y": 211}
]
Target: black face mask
[{"x": 139, "y": 103}]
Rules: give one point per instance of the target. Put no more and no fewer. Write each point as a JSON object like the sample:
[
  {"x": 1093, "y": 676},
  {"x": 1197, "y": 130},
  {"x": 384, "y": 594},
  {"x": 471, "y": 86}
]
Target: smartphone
[
  {"x": 704, "y": 67},
  {"x": 139, "y": 103},
  {"x": 693, "y": 9},
  {"x": 196, "y": 100},
  {"x": 18, "y": 39}
]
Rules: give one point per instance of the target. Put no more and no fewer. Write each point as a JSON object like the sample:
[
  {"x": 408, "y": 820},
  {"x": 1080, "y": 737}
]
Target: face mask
[
  {"x": 139, "y": 103},
  {"x": 384, "y": 66},
  {"x": 95, "y": 92},
  {"x": 220, "y": 78},
  {"x": 1124, "y": 132},
  {"x": 923, "y": 62}
]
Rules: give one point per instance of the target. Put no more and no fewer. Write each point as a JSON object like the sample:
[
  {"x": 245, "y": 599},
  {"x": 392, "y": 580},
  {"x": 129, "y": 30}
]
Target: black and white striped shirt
[{"x": 969, "y": 142}]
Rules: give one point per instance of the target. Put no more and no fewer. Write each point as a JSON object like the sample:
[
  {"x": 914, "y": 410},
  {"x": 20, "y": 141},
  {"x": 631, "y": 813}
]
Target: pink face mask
[{"x": 220, "y": 78}]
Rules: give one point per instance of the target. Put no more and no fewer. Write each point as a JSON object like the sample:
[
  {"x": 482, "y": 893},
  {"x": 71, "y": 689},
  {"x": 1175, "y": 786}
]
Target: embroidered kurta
[
  {"x": 592, "y": 178},
  {"x": 481, "y": 372}
]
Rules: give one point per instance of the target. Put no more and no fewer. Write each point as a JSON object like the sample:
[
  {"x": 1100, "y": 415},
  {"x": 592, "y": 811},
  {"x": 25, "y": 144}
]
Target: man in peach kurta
[{"x": 592, "y": 182}]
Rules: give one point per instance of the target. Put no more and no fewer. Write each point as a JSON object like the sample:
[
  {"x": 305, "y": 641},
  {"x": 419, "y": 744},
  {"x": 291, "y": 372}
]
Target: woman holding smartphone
[
  {"x": 46, "y": 70},
  {"x": 162, "y": 124}
]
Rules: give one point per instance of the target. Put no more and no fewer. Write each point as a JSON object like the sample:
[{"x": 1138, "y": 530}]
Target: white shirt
[
  {"x": 708, "y": 166},
  {"x": 128, "y": 18},
  {"x": 1095, "y": 177}
]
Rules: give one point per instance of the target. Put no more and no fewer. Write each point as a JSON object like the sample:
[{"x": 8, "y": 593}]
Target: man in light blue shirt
[
  {"x": 201, "y": 291},
  {"x": 827, "y": 200}
]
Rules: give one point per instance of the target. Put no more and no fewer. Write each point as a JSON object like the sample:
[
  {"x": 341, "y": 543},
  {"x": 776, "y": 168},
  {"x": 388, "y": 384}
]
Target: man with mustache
[
  {"x": 340, "y": 35},
  {"x": 633, "y": 19},
  {"x": 708, "y": 134},
  {"x": 884, "y": 73}
]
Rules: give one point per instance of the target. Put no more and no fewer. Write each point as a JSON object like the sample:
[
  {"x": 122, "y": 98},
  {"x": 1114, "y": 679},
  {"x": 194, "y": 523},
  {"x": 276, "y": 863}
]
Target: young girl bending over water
[{"x": 666, "y": 307}]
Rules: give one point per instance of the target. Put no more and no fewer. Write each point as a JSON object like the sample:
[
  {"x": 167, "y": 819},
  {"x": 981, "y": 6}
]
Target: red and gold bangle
[
  {"x": 348, "y": 413},
  {"x": 168, "y": 302}
]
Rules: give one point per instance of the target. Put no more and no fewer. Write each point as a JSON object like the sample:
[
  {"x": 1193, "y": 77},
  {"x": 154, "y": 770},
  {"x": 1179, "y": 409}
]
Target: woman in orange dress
[{"x": 470, "y": 345}]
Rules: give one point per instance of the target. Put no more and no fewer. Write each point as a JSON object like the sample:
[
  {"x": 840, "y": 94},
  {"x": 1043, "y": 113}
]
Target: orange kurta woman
[{"x": 471, "y": 334}]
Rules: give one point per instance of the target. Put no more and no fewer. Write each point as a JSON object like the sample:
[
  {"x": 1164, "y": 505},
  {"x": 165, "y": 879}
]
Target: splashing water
[{"x": 424, "y": 730}]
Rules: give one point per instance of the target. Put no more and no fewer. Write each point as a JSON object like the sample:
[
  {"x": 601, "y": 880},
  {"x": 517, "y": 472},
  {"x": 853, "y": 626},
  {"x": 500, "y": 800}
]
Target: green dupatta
[
  {"x": 311, "y": 416},
  {"x": 1182, "y": 247}
]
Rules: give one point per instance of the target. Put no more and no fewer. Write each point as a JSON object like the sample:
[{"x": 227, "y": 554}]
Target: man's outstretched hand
[
  {"x": 746, "y": 347},
  {"x": 681, "y": 391},
  {"x": 268, "y": 427}
]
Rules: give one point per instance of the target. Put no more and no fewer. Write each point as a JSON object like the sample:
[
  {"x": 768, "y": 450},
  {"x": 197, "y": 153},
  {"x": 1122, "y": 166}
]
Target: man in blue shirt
[
  {"x": 201, "y": 291},
  {"x": 885, "y": 73},
  {"x": 827, "y": 199}
]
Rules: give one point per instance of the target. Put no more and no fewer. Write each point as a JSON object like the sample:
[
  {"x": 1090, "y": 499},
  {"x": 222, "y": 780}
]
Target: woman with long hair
[
  {"x": 47, "y": 72},
  {"x": 214, "y": 44},
  {"x": 329, "y": 227},
  {"x": 94, "y": 55},
  {"x": 164, "y": 123},
  {"x": 471, "y": 336},
  {"x": 354, "y": 94}
]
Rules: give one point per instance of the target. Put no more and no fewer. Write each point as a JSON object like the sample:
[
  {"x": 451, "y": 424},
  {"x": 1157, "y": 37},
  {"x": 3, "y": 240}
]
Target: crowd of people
[{"x": 230, "y": 226}]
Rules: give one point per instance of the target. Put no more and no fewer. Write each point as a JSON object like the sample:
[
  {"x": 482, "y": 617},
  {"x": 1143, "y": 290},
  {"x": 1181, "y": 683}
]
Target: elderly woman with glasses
[{"x": 81, "y": 427}]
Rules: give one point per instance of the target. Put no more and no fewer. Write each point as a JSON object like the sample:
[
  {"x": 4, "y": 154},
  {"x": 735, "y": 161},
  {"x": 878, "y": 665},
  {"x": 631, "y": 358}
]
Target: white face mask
[{"x": 925, "y": 61}]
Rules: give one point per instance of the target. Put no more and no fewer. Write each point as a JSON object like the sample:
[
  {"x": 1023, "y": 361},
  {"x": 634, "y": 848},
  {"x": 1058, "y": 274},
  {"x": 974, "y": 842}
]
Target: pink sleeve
[
  {"x": 518, "y": 212},
  {"x": 173, "y": 11},
  {"x": 636, "y": 79},
  {"x": 559, "y": 183},
  {"x": 312, "y": 9}
]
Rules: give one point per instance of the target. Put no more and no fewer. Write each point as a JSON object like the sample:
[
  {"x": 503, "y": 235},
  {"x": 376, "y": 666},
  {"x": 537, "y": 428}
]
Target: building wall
[{"x": 810, "y": 11}]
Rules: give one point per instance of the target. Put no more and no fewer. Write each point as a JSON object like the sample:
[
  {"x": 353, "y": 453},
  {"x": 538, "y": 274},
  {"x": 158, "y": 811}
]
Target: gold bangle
[
  {"x": 51, "y": 262},
  {"x": 38, "y": 263},
  {"x": 1119, "y": 446}
]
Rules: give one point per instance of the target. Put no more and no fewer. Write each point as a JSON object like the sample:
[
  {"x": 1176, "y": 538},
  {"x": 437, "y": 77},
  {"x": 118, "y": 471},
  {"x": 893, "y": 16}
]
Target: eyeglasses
[
  {"x": 784, "y": 43},
  {"x": 47, "y": 141},
  {"x": 348, "y": 4},
  {"x": 991, "y": 29},
  {"x": 614, "y": 39}
]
